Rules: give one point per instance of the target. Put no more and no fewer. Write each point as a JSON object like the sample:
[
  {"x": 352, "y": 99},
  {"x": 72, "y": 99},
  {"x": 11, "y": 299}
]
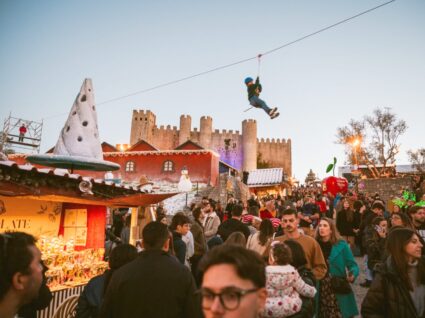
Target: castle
[{"x": 242, "y": 151}]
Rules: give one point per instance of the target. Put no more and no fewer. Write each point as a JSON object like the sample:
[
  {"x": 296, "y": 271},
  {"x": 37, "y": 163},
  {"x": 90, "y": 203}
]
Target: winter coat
[
  {"x": 90, "y": 299},
  {"x": 344, "y": 226},
  {"x": 254, "y": 89},
  {"x": 199, "y": 238},
  {"x": 388, "y": 296},
  {"x": 284, "y": 287},
  {"x": 179, "y": 247},
  {"x": 375, "y": 252},
  {"x": 211, "y": 224},
  {"x": 154, "y": 285},
  {"x": 340, "y": 259}
]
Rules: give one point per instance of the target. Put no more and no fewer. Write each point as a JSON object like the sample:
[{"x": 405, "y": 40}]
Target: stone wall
[
  {"x": 387, "y": 188},
  {"x": 228, "y": 143},
  {"x": 276, "y": 153}
]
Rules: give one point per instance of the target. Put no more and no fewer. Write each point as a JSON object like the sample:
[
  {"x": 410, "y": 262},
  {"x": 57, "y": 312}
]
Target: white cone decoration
[
  {"x": 80, "y": 136},
  {"x": 79, "y": 145}
]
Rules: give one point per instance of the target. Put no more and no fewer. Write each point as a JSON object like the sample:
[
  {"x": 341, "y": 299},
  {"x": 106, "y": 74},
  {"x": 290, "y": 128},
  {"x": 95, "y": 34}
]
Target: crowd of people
[{"x": 268, "y": 257}]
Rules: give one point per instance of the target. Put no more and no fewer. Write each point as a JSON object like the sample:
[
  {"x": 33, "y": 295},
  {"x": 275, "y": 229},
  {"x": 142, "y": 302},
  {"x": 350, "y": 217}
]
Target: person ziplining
[{"x": 254, "y": 90}]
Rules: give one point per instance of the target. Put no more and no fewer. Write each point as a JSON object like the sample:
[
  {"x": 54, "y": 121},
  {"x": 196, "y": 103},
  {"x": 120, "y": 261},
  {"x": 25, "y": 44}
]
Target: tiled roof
[
  {"x": 263, "y": 177},
  {"x": 64, "y": 173},
  {"x": 61, "y": 186}
]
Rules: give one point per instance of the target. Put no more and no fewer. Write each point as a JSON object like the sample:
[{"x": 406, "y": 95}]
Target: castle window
[
  {"x": 130, "y": 166},
  {"x": 168, "y": 166}
]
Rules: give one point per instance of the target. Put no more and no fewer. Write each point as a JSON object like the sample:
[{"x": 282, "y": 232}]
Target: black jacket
[
  {"x": 376, "y": 253},
  {"x": 344, "y": 226},
  {"x": 154, "y": 285},
  {"x": 388, "y": 296},
  {"x": 179, "y": 247},
  {"x": 232, "y": 225}
]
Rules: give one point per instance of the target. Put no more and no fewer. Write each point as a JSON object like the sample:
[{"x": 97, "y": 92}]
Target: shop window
[
  {"x": 130, "y": 166},
  {"x": 168, "y": 166}
]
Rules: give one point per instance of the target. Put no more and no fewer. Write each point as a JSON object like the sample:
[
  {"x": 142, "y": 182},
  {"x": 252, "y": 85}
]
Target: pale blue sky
[{"x": 49, "y": 47}]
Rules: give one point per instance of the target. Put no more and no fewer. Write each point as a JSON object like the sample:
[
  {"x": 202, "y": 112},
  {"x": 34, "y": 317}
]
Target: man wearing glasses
[
  {"x": 21, "y": 272},
  {"x": 233, "y": 283}
]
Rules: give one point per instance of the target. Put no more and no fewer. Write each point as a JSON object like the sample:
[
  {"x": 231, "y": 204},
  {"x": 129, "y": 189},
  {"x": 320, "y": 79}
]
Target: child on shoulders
[{"x": 283, "y": 283}]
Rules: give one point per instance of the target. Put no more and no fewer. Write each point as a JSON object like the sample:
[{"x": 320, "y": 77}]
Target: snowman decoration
[{"x": 185, "y": 185}]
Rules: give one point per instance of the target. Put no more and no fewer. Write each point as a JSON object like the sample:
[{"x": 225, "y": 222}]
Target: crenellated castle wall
[
  {"x": 276, "y": 153},
  {"x": 237, "y": 149},
  {"x": 165, "y": 137}
]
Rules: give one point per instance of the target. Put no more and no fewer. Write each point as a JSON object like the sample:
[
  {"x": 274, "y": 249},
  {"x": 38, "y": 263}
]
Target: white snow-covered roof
[{"x": 263, "y": 177}]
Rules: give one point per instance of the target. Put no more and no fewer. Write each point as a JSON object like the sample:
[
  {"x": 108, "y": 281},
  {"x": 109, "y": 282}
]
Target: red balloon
[{"x": 334, "y": 185}]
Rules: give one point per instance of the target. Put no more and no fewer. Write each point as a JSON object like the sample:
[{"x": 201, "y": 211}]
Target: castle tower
[
  {"x": 205, "y": 132},
  {"x": 142, "y": 125},
  {"x": 185, "y": 128},
  {"x": 249, "y": 145}
]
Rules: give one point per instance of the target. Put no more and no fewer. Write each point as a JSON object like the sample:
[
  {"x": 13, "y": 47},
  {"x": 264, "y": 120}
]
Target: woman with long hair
[
  {"x": 346, "y": 222},
  {"x": 398, "y": 289},
  {"x": 260, "y": 241},
  {"x": 336, "y": 298}
]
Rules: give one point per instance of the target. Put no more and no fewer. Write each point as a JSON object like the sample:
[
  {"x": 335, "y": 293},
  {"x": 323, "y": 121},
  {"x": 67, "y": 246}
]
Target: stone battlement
[
  {"x": 142, "y": 112},
  {"x": 186, "y": 116},
  {"x": 282, "y": 141},
  {"x": 167, "y": 128}
]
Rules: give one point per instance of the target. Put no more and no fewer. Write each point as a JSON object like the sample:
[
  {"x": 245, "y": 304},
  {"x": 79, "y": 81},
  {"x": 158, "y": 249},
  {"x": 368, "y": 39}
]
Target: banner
[{"x": 31, "y": 216}]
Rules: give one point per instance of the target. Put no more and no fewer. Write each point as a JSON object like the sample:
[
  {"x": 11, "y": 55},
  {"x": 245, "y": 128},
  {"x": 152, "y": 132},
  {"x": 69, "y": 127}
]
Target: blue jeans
[{"x": 259, "y": 103}]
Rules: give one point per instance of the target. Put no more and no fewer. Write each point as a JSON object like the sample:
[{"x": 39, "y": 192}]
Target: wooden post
[{"x": 134, "y": 227}]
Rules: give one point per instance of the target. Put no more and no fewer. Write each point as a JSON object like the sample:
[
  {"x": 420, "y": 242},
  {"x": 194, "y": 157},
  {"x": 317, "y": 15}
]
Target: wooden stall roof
[{"x": 58, "y": 185}]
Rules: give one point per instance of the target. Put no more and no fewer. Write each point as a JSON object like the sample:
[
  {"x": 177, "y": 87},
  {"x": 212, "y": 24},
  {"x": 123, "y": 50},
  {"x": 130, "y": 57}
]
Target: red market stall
[{"x": 67, "y": 213}]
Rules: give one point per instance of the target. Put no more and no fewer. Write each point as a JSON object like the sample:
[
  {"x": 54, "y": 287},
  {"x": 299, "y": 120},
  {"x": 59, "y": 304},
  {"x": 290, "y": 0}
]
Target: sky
[{"x": 319, "y": 84}]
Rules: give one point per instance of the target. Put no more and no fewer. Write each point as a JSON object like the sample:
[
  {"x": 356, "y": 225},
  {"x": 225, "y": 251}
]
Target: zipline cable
[{"x": 237, "y": 62}]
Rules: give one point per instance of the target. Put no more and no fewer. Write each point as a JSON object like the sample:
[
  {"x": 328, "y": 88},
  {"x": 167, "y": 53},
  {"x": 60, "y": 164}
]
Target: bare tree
[
  {"x": 417, "y": 159},
  {"x": 377, "y": 140}
]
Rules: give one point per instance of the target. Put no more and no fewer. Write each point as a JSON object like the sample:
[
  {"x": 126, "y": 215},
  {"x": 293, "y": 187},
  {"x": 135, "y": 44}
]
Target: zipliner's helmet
[{"x": 248, "y": 79}]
